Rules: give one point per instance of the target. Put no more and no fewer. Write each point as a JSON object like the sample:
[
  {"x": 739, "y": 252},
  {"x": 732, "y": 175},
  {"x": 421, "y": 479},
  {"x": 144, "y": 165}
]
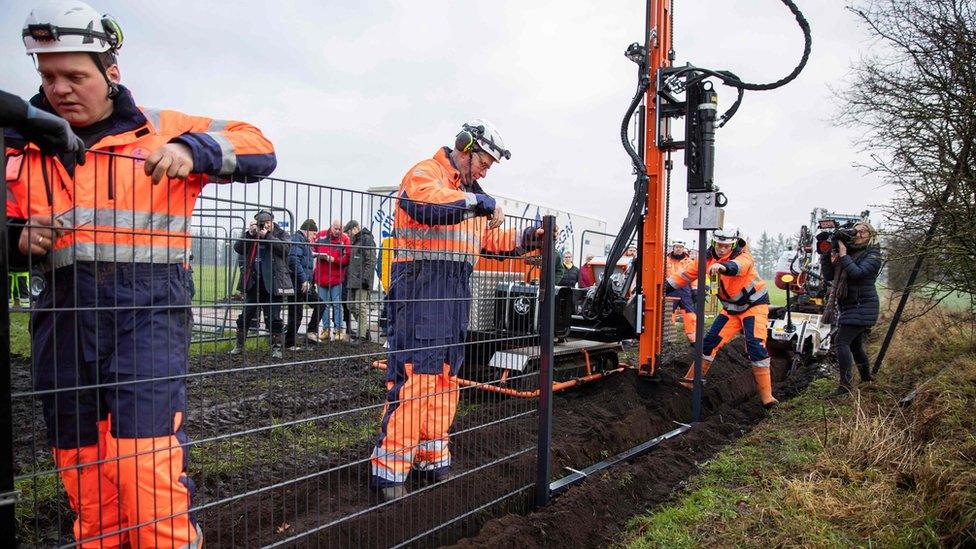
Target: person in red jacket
[
  {"x": 331, "y": 250},
  {"x": 111, "y": 330}
]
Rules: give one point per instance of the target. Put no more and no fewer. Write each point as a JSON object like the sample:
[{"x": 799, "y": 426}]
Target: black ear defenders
[
  {"x": 113, "y": 32},
  {"x": 465, "y": 140}
]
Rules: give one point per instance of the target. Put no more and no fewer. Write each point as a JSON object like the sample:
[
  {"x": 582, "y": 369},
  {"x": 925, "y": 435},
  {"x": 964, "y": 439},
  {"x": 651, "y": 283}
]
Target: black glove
[{"x": 51, "y": 133}]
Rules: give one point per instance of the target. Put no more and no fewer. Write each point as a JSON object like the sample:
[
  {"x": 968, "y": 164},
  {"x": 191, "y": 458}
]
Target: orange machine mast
[{"x": 659, "y": 54}]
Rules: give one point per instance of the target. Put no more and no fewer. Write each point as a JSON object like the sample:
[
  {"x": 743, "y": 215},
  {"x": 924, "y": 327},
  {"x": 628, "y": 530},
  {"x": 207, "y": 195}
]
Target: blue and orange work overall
[
  {"x": 684, "y": 297},
  {"x": 439, "y": 231},
  {"x": 111, "y": 329},
  {"x": 745, "y": 308}
]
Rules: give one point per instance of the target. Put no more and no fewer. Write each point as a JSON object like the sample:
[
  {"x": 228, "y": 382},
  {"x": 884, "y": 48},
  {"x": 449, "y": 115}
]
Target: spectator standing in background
[
  {"x": 331, "y": 252},
  {"x": 359, "y": 277}
]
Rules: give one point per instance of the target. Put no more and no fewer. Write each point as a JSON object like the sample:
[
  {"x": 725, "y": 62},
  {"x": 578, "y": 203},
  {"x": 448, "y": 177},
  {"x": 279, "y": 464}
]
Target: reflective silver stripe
[
  {"x": 432, "y": 446},
  {"x": 468, "y": 244},
  {"x": 384, "y": 472},
  {"x": 744, "y": 292},
  {"x": 684, "y": 276},
  {"x": 709, "y": 358},
  {"x": 196, "y": 543},
  {"x": 470, "y": 200},
  {"x": 153, "y": 115},
  {"x": 228, "y": 161},
  {"x": 764, "y": 363},
  {"x": 734, "y": 308},
  {"x": 117, "y": 253},
  {"x": 757, "y": 296},
  {"x": 434, "y": 465},
  {"x": 217, "y": 125},
  {"x": 128, "y": 219},
  {"x": 432, "y": 233},
  {"x": 428, "y": 255}
]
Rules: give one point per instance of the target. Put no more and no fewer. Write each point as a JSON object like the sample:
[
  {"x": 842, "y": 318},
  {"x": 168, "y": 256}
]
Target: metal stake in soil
[
  {"x": 8, "y": 497},
  {"x": 547, "y": 313}
]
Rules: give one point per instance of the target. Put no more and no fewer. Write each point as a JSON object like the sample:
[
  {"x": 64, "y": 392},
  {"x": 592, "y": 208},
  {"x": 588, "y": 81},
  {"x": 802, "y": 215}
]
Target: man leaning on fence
[
  {"x": 443, "y": 221},
  {"x": 112, "y": 235}
]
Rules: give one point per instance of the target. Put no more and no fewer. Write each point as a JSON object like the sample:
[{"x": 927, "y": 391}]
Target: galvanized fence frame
[{"x": 277, "y": 512}]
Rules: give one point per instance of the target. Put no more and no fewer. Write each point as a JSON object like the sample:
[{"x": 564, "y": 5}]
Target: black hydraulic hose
[{"x": 731, "y": 79}]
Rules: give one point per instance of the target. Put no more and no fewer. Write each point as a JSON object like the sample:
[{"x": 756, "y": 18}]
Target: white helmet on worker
[
  {"x": 728, "y": 235},
  {"x": 481, "y": 135},
  {"x": 677, "y": 243},
  {"x": 70, "y": 26}
]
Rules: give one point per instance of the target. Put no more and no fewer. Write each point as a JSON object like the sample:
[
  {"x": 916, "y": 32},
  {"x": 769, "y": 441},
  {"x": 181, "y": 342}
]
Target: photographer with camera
[
  {"x": 853, "y": 264},
  {"x": 265, "y": 281}
]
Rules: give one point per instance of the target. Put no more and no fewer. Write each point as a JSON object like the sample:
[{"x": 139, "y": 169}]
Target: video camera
[{"x": 832, "y": 233}]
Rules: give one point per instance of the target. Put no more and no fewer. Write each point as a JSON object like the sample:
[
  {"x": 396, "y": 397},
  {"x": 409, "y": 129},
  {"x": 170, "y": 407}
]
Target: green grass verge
[
  {"x": 282, "y": 443},
  {"x": 861, "y": 472}
]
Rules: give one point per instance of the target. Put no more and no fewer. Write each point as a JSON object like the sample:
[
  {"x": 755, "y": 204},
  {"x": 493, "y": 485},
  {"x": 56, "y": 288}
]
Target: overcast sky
[{"x": 353, "y": 93}]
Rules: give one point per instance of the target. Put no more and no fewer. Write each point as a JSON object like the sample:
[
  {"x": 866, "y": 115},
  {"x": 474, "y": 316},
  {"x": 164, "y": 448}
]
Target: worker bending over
[{"x": 745, "y": 306}]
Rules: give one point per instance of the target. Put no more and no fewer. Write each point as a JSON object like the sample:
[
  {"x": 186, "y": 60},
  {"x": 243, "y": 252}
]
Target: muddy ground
[{"x": 281, "y": 454}]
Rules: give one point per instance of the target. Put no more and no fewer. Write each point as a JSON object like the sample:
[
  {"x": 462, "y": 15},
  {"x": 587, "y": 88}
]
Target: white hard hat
[
  {"x": 728, "y": 235},
  {"x": 70, "y": 26},
  {"x": 484, "y": 135},
  {"x": 677, "y": 243}
]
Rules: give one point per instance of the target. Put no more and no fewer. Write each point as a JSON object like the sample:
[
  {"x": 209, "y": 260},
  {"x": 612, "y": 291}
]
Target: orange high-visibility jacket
[
  {"x": 740, "y": 286},
  {"x": 675, "y": 266},
  {"x": 109, "y": 209},
  {"x": 438, "y": 219}
]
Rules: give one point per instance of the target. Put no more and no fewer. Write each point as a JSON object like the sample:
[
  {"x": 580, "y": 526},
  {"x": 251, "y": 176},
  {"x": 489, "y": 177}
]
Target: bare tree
[{"x": 914, "y": 94}]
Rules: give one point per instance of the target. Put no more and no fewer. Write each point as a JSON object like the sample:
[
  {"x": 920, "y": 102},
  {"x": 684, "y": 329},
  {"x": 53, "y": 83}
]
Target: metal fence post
[
  {"x": 8, "y": 497},
  {"x": 547, "y": 313}
]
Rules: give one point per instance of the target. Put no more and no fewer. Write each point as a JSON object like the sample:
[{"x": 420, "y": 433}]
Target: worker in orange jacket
[
  {"x": 745, "y": 306},
  {"x": 110, "y": 331},
  {"x": 444, "y": 220},
  {"x": 677, "y": 262}
]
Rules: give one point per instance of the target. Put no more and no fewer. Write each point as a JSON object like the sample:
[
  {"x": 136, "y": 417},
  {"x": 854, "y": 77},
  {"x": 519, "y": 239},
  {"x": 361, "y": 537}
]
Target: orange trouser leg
[
  {"x": 754, "y": 329},
  {"x": 723, "y": 330},
  {"x": 688, "y": 319},
  {"x": 433, "y": 454},
  {"x": 154, "y": 489},
  {"x": 93, "y": 496},
  {"x": 404, "y": 415}
]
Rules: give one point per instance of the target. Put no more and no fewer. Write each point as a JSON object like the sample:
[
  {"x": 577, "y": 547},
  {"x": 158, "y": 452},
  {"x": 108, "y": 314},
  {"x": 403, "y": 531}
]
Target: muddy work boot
[
  {"x": 428, "y": 478},
  {"x": 239, "y": 344},
  {"x": 865, "y": 371},
  {"x": 388, "y": 493},
  {"x": 688, "y": 382},
  {"x": 764, "y": 386},
  {"x": 276, "y": 347},
  {"x": 841, "y": 391}
]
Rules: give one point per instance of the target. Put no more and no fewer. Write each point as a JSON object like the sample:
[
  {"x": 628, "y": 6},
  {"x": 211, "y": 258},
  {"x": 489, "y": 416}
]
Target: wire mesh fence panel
[{"x": 266, "y": 363}]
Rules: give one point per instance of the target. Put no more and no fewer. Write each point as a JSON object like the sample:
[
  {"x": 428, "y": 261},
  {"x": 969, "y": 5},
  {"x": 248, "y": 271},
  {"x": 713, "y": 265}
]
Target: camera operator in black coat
[{"x": 854, "y": 266}]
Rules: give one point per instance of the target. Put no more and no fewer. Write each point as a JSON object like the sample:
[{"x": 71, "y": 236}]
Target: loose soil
[{"x": 282, "y": 474}]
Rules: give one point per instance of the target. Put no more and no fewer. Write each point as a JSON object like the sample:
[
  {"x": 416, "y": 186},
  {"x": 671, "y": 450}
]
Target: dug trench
[
  {"x": 589, "y": 425},
  {"x": 270, "y": 486}
]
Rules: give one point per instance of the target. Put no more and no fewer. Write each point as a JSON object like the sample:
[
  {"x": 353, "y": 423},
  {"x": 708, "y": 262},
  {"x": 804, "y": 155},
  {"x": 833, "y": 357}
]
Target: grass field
[{"x": 861, "y": 472}]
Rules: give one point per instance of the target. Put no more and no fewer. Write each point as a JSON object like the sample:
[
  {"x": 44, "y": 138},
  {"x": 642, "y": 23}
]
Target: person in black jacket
[
  {"x": 359, "y": 277},
  {"x": 301, "y": 264},
  {"x": 265, "y": 279},
  {"x": 854, "y": 271},
  {"x": 570, "y": 274}
]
